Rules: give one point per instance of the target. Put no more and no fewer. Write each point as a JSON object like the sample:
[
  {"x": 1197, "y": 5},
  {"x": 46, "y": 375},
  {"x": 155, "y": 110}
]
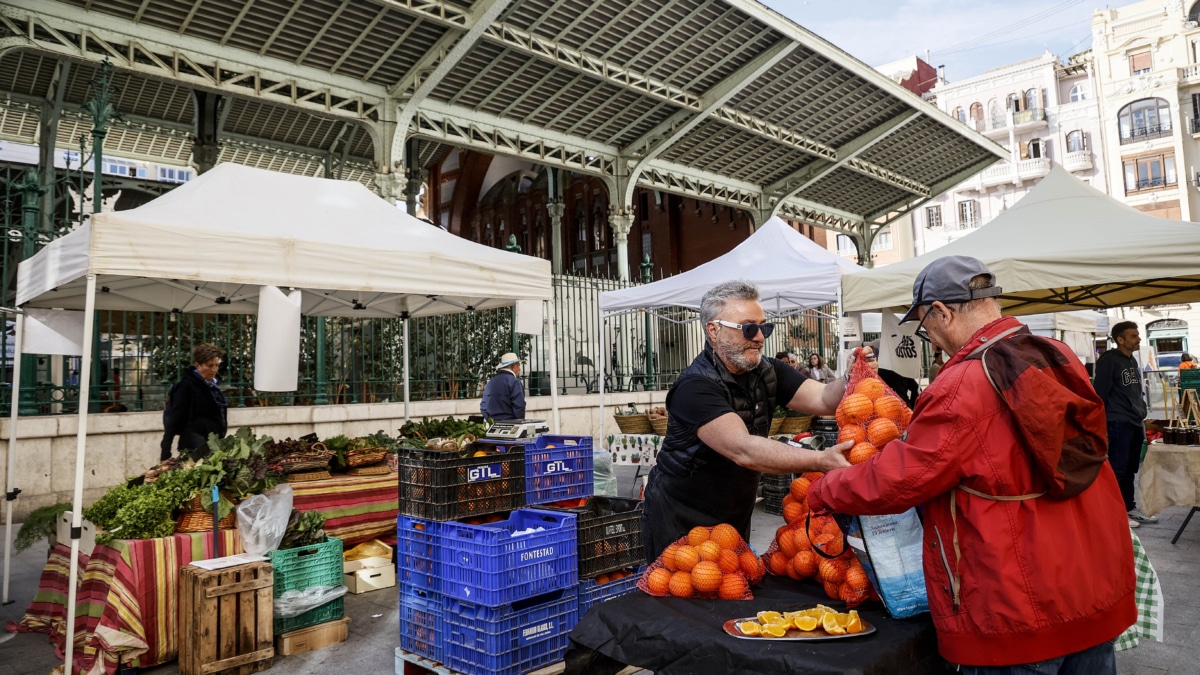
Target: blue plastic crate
[
  {"x": 491, "y": 565},
  {"x": 422, "y": 623},
  {"x": 419, "y": 553},
  {"x": 564, "y": 471},
  {"x": 592, "y": 593},
  {"x": 512, "y": 639}
]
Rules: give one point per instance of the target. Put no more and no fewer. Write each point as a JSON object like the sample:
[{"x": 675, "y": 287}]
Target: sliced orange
[
  {"x": 775, "y": 629},
  {"x": 806, "y": 623},
  {"x": 770, "y": 617},
  {"x": 854, "y": 625},
  {"x": 830, "y": 624},
  {"x": 750, "y": 628}
]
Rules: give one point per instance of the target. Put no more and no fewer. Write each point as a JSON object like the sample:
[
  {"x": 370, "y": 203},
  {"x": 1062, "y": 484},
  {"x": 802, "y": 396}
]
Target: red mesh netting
[
  {"x": 710, "y": 562},
  {"x": 870, "y": 414}
]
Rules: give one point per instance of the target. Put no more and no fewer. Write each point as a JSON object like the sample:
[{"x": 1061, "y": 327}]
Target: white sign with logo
[
  {"x": 898, "y": 348},
  {"x": 851, "y": 329}
]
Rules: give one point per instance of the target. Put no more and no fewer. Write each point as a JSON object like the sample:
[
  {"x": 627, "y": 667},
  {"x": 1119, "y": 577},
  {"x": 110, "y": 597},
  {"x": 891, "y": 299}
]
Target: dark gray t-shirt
[{"x": 1119, "y": 384}]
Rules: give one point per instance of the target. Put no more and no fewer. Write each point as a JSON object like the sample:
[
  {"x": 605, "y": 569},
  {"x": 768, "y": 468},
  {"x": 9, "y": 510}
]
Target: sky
[{"x": 969, "y": 37}]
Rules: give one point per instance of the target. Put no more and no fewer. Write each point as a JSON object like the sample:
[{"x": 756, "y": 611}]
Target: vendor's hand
[{"x": 835, "y": 457}]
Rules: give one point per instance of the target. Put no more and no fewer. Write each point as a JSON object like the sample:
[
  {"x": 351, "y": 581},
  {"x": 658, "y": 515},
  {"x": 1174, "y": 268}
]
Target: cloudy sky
[{"x": 967, "y": 36}]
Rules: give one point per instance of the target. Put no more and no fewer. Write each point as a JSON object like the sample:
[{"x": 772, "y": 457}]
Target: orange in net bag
[
  {"x": 870, "y": 415},
  {"x": 708, "y": 562}
]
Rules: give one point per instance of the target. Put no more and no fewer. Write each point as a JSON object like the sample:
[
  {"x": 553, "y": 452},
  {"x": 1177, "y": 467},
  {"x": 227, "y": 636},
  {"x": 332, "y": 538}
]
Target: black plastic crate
[
  {"x": 610, "y": 534},
  {"x": 440, "y": 485},
  {"x": 773, "y": 508},
  {"x": 778, "y": 481}
]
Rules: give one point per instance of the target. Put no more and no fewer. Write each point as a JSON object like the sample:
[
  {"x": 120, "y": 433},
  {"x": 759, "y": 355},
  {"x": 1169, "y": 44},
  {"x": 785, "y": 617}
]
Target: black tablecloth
[{"x": 684, "y": 637}]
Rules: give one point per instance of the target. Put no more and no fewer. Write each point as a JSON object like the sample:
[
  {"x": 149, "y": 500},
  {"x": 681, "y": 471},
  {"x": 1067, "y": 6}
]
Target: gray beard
[{"x": 734, "y": 353}]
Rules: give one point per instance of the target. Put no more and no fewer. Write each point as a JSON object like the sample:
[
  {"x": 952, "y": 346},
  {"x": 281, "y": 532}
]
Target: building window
[
  {"x": 994, "y": 109},
  {"x": 968, "y": 214},
  {"x": 1015, "y": 103},
  {"x": 1078, "y": 93},
  {"x": 1139, "y": 63},
  {"x": 1150, "y": 172},
  {"x": 1143, "y": 120},
  {"x": 1033, "y": 99},
  {"x": 960, "y": 115},
  {"x": 846, "y": 245},
  {"x": 1075, "y": 142},
  {"x": 883, "y": 240},
  {"x": 976, "y": 111},
  {"x": 1037, "y": 149},
  {"x": 933, "y": 216}
]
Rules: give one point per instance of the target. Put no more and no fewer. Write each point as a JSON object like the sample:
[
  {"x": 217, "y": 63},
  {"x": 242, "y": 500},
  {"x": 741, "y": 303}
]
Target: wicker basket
[
  {"x": 795, "y": 425},
  {"x": 776, "y": 423},
  {"x": 659, "y": 425},
  {"x": 634, "y": 424},
  {"x": 307, "y": 476},
  {"x": 377, "y": 470},
  {"x": 201, "y": 521},
  {"x": 299, "y": 462},
  {"x": 365, "y": 457}
]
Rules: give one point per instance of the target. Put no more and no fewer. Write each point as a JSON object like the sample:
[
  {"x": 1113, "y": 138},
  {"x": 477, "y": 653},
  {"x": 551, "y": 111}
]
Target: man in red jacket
[{"x": 1028, "y": 557}]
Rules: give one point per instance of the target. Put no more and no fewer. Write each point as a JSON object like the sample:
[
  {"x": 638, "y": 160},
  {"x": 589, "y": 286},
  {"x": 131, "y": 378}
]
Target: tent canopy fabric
[
  {"x": 792, "y": 273},
  {"x": 1064, "y": 246},
  {"x": 1082, "y": 321},
  {"x": 208, "y": 245}
]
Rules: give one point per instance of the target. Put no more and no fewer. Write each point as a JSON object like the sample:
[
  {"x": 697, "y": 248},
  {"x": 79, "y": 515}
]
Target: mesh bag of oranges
[
  {"x": 870, "y": 415},
  {"x": 710, "y": 562}
]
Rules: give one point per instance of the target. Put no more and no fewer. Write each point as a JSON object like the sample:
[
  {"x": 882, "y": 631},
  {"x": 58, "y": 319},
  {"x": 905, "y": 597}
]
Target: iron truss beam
[
  {"x": 689, "y": 182},
  {"x": 820, "y": 216},
  {"x": 51, "y": 27},
  {"x": 441, "y": 13},
  {"x": 809, "y": 175}
]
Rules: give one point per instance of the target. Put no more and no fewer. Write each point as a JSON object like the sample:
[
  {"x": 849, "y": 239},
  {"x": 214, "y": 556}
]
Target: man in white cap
[{"x": 504, "y": 395}]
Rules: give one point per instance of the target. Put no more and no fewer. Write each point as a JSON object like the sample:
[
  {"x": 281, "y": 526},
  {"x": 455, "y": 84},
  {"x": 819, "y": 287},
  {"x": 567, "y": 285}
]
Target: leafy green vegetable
[
  {"x": 447, "y": 428},
  {"x": 303, "y": 528},
  {"x": 39, "y": 524},
  {"x": 147, "y": 516},
  {"x": 104, "y": 512}
]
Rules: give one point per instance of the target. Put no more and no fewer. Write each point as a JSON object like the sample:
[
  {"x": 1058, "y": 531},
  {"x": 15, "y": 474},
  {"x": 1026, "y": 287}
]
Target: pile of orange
[
  {"x": 870, "y": 415},
  {"x": 710, "y": 562},
  {"x": 616, "y": 575}
]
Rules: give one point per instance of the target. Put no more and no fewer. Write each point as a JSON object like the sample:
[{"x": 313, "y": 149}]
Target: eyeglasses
[{"x": 749, "y": 330}]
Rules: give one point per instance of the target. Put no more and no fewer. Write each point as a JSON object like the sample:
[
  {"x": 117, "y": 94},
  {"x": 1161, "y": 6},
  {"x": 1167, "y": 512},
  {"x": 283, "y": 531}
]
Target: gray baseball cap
[{"x": 948, "y": 279}]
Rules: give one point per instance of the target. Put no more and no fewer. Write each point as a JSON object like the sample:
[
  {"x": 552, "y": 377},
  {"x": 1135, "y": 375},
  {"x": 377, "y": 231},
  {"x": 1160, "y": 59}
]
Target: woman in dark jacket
[{"x": 195, "y": 406}]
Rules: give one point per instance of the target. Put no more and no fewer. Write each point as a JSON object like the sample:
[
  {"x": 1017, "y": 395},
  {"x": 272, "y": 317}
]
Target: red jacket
[{"x": 1039, "y": 578}]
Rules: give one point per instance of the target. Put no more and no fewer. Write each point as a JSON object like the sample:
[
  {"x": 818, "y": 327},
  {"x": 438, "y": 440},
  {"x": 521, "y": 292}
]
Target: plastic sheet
[
  {"x": 604, "y": 482},
  {"x": 262, "y": 519},
  {"x": 294, "y": 603}
]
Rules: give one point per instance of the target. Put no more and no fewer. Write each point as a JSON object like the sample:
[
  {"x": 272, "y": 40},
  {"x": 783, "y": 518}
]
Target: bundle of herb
[
  {"x": 303, "y": 528},
  {"x": 39, "y": 524}
]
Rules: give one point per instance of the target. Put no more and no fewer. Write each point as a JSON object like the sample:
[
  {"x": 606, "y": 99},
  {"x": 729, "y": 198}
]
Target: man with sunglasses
[
  {"x": 1028, "y": 559},
  {"x": 720, "y": 410}
]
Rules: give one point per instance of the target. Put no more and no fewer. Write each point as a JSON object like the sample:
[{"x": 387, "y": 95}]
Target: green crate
[
  {"x": 1189, "y": 379},
  {"x": 300, "y": 568}
]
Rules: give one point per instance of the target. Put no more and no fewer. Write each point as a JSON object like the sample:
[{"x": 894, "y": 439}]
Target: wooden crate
[
  {"x": 225, "y": 619},
  {"x": 313, "y": 637}
]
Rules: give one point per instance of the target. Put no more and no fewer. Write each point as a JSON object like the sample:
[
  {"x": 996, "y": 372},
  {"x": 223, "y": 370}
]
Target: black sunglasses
[{"x": 749, "y": 330}]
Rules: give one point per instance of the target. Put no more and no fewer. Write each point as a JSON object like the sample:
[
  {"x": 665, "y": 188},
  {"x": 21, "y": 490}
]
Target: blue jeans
[{"x": 1098, "y": 660}]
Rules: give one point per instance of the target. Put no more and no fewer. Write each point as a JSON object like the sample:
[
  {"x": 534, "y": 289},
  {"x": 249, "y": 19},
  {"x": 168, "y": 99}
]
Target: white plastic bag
[
  {"x": 295, "y": 603},
  {"x": 262, "y": 519},
  {"x": 604, "y": 481}
]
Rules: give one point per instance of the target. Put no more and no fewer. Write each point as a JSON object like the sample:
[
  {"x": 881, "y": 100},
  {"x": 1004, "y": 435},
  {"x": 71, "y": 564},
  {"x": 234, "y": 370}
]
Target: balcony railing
[
  {"x": 1150, "y": 184},
  {"x": 1145, "y": 133},
  {"x": 1194, "y": 125},
  {"x": 1080, "y": 160}
]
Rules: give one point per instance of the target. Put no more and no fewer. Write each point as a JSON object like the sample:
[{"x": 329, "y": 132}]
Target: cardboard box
[
  {"x": 371, "y": 579},
  {"x": 313, "y": 637},
  {"x": 87, "y": 540},
  {"x": 349, "y": 566}
]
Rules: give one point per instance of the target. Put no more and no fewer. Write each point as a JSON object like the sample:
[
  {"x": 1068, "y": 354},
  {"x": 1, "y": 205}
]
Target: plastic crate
[
  {"x": 610, "y": 534},
  {"x": 592, "y": 593},
  {"x": 422, "y": 623},
  {"x": 299, "y": 568},
  {"x": 443, "y": 486},
  {"x": 777, "y": 482},
  {"x": 511, "y": 639},
  {"x": 419, "y": 553},
  {"x": 564, "y": 471},
  {"x": 490, "y": 565},
  {"x": 1189, "y": 379}
]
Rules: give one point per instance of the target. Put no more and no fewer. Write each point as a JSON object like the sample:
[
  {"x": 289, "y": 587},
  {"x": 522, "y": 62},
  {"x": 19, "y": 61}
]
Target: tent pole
[
  {"x": 85, "y": 376},
  {"x": 10, "y": 490},
  {"x": 837, "y": 327},
  {"x": 548, "y": 339},
  {"x": 406, "y": 393},
  {"x": 603, "y": 358}
]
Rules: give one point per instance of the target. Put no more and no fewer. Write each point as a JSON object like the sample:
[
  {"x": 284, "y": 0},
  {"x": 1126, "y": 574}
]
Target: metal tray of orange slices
[{"x": 810, "y": 625}]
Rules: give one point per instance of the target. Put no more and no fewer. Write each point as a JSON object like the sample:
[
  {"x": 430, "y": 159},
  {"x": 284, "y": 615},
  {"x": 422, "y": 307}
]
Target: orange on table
[
  {"x": 778, "y": 563},
  {"x": 858, "y": 408},
  {"x": 729, "y": 562},
  {"x": 706, "y": 576},
  {"x": 793, "y": 512},
  {"x": 882, "y": 431},
  {"x": 852, "y": 432},
  {"x": 659, "y": 581},
  {"x": 856, "y": 576},
  {"x": 681, "y": 585},
  {"x": 751, "y": 566},
  {"x": 805, "y": 564},
  {"x": 854, "y": 625},
  {"x": 733, "y": 587},
  {"x": 787, "y": 543},
  {"x": 725, "y": 535},
  {"x": 831, "y": 589},
  {"x": 602, "y": 579},
  {"x": 806, "y": 623},
  {"x": 890, "y": 407},
  {"x": 799, "y": 488},
  {"x": 709, "y": 550},
  {"x": 750, "y": 628},
  {"x": 870, "y": 387},
  {"x": 698, "y": 535},
  {"x": 775, "y": 629},
  {"x": 830, "y": 624},
  {"x": 686, "y": 558},
  {"x": 832, "y": 571},
  {"x": 668, "y": 557},
  {"x": 863, "y": 451}
]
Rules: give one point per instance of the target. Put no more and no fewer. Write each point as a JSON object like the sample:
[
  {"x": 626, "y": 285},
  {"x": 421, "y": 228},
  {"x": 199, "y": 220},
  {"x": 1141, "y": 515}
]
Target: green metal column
[
  {"x": 322, "y": 385},
  {"x": 651, "y": 381},
  {"x": 31, "y": 196}
]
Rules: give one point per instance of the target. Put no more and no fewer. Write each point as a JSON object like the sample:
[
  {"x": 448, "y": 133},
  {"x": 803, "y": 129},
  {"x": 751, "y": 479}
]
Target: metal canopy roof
[{"x": 723, "y": 100}]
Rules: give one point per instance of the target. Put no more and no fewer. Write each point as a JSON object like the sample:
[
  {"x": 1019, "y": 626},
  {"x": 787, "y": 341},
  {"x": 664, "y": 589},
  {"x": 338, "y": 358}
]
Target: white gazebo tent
[
  {"x": 793, "y": 274},
  {"x": 209, "y": 245},
  {"x": 1065, "y": 245}
]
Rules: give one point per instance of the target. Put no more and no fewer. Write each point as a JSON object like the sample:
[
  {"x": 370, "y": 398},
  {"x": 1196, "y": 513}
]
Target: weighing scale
[{"x": 511, "y": 430}]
